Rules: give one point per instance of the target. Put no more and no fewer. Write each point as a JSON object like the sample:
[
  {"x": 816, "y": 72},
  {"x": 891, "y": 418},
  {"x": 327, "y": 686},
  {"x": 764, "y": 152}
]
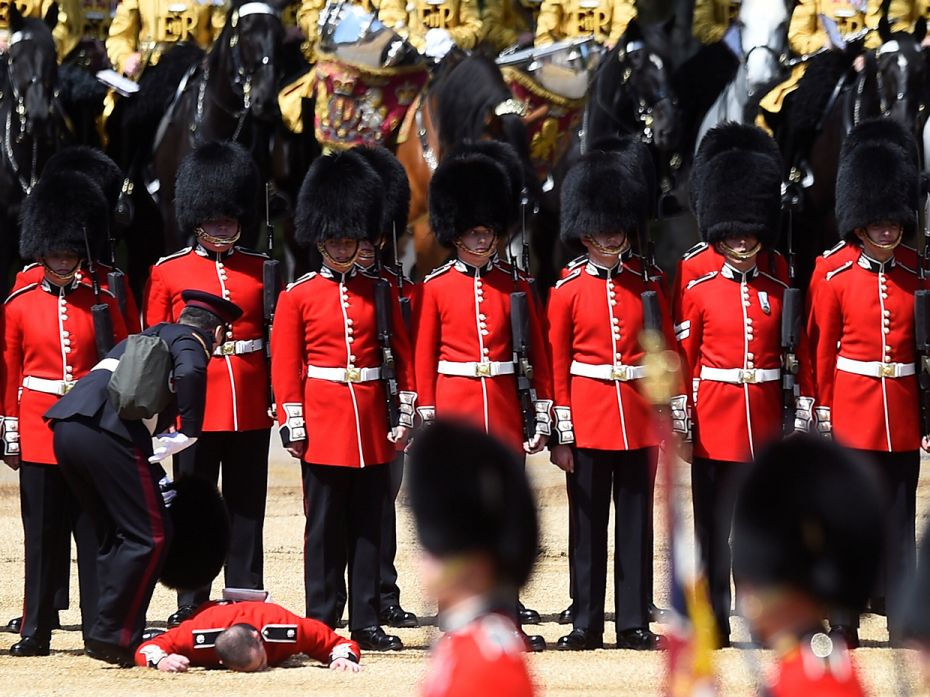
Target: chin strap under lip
[{"x": 731, "y": 253}]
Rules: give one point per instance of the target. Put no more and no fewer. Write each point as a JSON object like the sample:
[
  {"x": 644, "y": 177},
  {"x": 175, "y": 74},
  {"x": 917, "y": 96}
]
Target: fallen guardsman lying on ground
[{"x": 246, "y": 637}]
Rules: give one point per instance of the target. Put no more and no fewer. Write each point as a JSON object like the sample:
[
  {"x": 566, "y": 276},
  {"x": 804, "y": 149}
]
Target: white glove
[
  {"x": 733, "y": 41},
  {"x": 438, "y": 43},
  {"x": 168, "y": 492},
  {"x": 170, "y": 444}
]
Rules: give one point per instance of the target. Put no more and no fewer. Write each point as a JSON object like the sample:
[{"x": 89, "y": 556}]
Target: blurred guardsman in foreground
[
  {"x": 807, "y": 537},
  {"x": 246, "y": 637},
  {"x": 476, "y": 520}
]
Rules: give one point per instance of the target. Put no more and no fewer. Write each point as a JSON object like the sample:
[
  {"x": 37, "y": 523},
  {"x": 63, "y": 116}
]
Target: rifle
[
  {"x": 116, "y": 279},
  {"x": 399, "y": 271},
  {"x": 922, "y": 326},
  {"x": 270, "y": 286},
  {"x": 100, "y": 312},
  {"x": 388, "y": 369},
  {"x": 790, "y": 326},
  {"x": 520, "y": 329}
]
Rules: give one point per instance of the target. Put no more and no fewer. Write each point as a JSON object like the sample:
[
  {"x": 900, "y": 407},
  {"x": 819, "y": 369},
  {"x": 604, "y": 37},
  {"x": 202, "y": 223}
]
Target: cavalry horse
[{"x": 33, "y": 123}]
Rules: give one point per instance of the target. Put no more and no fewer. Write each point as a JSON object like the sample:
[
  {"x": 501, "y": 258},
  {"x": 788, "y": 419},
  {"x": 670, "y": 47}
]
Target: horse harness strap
[{"x": 429, "y": 155}]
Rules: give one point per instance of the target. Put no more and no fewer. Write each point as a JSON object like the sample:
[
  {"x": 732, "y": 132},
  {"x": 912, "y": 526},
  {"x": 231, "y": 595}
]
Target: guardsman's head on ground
[
  {"x": 395, "y": 206},
  {"x": 474, "y": 511},
  {"x": 807, "y": 537},
  {"x": 340, "y": 204},
  {"x": 878, "y": 187},
  {"x": 736, "y": 191},
  {"x": 240, "y": 648},
  {"x": 209, "y": 313},
  {"x": 216, "y": 195}
]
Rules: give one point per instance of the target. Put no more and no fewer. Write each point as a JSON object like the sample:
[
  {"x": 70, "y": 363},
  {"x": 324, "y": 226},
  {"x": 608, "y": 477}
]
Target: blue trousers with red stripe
[{"x": 118, "y": 487}]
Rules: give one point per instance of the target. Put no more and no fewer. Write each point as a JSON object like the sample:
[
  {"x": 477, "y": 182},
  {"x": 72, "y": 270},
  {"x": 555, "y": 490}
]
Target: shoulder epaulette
[
  {"x": 252, "y": 252},
  {"x": 87, "y": 283},
  {"x": 507, "y": 268},
  {"x": 834, "y": 249},
  {"x": 571, "y": 277},
  {"x": 28, "y": 267},
  {"x": 772, "y": 278},
  {"x": 393, "y": 272},
  {"x": 306, "y": 277},
  {"x": 845, "y": 267},
  {"x": 700, "y": 279},
  {"x": 439, "y": 271},
  {"x": 906, "y": 267},
  {"x": 576, "y": 262},
  {"x": 909, "y": 247},
  {"x": 695, "y": 250},
  {"x": 17, "y": 293},
  {"x": 179, "y": 253},
  {"x": 369, "y": 273}
]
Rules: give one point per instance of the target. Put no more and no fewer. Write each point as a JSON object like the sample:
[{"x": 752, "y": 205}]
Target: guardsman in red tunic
[
  {"x": 370, "y": 258},
  {"x": 49, "y": 343},
  {"x": 603, "y": 424},
  {"x": 867, "y": 392},
  {"x": 246, "y": 637},
  {"x": 327, "y": 369},
  {"x": 476, "y": 520},
  {"x": 807, "y": 539},
  {"x": 217, "y": 192},
  {"x": 730, "y": 338}
]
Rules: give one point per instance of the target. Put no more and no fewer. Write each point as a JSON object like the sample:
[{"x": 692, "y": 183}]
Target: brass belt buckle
[
  {"x": 353, "y": 374},
  {"x": 66, "y": 387},
  {"x": 229, "y": 348},
  {"x": 483, "y": 370},
  {"x": 747, "y": 376},
  {"x": 888, "y": 370},
  {"x": 619, "y": 372}
]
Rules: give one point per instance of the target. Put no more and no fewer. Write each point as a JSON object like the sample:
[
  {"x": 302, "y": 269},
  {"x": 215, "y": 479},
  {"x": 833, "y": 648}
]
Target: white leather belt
[
  {"x": 875, "y": 369},
  {"x": 474, "y": 369},
  {"x": 237, "y": 348},
  {"x": 56, "y": 387},
  {"x": 619, "y": 373},
  {"x": 740, "y": 376},
  {"x": 344, "y": 374}
]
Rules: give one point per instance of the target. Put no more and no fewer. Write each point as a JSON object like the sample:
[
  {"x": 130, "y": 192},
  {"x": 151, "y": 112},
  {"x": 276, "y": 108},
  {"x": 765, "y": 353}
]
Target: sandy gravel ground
[{"x": 605, "y": 672}]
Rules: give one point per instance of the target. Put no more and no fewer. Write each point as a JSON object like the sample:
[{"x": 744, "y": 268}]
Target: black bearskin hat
[
  {"x": 200, "y": 541},
  {"x": 878, "y": 177},
  {"x": 469, "y": 191},
  {"x": 396, "y": 189},
  {"x": 809, "y": 516},
  {"x": 605, "y": 191},
  {"x": 637, "y": 153},
  {"x": 217, "y": 180},
  {"x": 92, "y": 163},
  {"x": 736, "y": 184},
  {"x": 341, "y": 196},
  {"x": 505, "y": 155},
  {"x": 469, "y": 493},
  {"x": 63, "y": 207}
]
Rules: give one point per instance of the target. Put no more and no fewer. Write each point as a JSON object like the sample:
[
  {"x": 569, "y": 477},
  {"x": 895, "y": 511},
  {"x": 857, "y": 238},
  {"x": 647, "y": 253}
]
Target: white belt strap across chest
[
  {"x": 55, "y": 387},
  {"x": 740, "y": 376},
  {"x": 344, "y": 374},
  {"x": 875, "y": 369},
  {"x": 616, "y": 372},
  {"x": 475, "y": 369},
  {"x": 238, "y": 348}
]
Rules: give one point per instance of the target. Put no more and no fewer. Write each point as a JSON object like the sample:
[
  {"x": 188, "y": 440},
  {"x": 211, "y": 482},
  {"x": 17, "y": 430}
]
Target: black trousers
[
  {"x": 343, "y": 510},
  {"x": 630, "y": 476},
  {"x": 50, "y": 512},
  {"x": 390, "y": 593},
  {"x": 117, "y": 486},
  {"x": 243, "y": 456},
  {"x": 713, "y": 490}
]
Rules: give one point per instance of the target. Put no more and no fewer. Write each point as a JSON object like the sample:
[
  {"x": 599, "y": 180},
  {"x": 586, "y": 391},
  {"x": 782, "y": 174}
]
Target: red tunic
[
  {"x": 464, "y": 317},
  {"x": 34, "y": 273},
  {"x": 283, "y": 633},
  {"x": 483, "y": 657},
  {"x": 48, "y": 334},
  {"x": 864, "y": 311},
  {"x": 799, "y": 673},
  {"x": 595, "y": 318},
  {"x": 237, "y": 383},
  {"x": 327, "y": 320},
  {"x": 732, "y": 321}
]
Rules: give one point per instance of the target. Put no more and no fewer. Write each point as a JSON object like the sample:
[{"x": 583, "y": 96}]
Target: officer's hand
[
  {"x": 344, "y": 665},
  {"x": 132, "y": 64},
  {"x": 924, "y": 443},
  {"x": 174, "y": 663},
  {"x": 561, "y": 456},
  {"x": 399, "y": 434},
  {"x": 4, "y": 44},
  {"x": 297, "y": 448},
  {"x": 526, "y": 39},
  {"x": 859, "y": 63},
  {"x": 13, "y": 461},
  {"x": 535, "y": 444},
  {"x": 170, "y": 444}
]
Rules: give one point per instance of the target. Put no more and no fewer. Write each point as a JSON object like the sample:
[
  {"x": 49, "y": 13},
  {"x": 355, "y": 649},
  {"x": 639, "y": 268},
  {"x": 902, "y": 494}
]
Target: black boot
[
  {"x": 30, "y": 646},
  {"x": 375, "y": 639},
  {"x": 580, "y": 640}
]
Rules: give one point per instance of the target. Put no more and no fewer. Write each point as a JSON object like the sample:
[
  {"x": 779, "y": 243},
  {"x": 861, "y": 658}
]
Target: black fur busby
[
  {"x": 736, "y": 184},
  {"x": 217, "y": 180},
  {"x": 604, "y": 191},
  {"x": 505, "y": 155},
  {"x": 92, "y": 163},
  {"x": 809, "y": 516},
  {"x": 878, "y": 177},
  {"x": 341, "y": 196},
  {"x": 638, "y": 155},
  {"x": 469, "y": 493},
  {"x": 469, "y": 191},
  {"x": 200, "y": 540},
  {"x": 396, "y": 189},
  {"x": 63, "y": 207}
]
